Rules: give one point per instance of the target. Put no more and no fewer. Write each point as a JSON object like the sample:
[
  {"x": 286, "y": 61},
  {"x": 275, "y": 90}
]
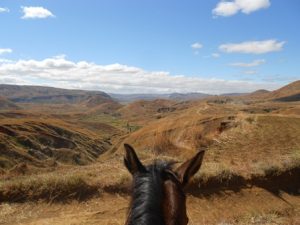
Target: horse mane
[{"x": 146, "y": 203}]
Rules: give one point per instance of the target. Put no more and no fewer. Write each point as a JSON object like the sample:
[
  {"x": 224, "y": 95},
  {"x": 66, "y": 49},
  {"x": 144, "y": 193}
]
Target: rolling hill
[
  {"x": 262, "y": 93},
  {"x": 54, "y": 152},
  {"x": 43, "y": 141},
  {"x": 288, "y": 93},
  {"x": 49, "y": 95},
  {"x": 128, "y": 98},
  {"x": 7, "y": 105},
  {"x": 143, "y": 111}
]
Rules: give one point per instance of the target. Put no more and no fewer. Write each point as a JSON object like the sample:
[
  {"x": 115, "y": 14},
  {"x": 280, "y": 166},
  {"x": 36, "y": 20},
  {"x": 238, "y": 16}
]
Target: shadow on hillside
[
  {"x": 276, "y": 183},
  {"x": 292, "y": 98}
]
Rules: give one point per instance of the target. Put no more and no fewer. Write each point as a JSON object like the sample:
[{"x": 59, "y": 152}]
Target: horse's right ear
[
  {"x": 189, "y": 168},
  {"x": 131, "y": 161}
]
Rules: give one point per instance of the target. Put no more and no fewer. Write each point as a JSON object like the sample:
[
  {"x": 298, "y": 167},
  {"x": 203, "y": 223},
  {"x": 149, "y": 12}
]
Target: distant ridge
[
  {"x": 261, "y": 93},
  {"x": 188, "y": 96},
  {"x": 135, "y": 97},
  {"x": 172, "y": 96},
  {"x": 40, "y": 94},
  {"x": 233, "y": 94},
  {"x": 290, "y": 92},
  {"x": 51, "y": 95},
  {"x": 6, "y": 104}
]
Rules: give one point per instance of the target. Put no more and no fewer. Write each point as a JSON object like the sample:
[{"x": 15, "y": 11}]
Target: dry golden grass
[
  {"x": 250, "y": 149},
  {"x": 143, "y": 112},
  {"x": 37, "y": 140},
  {"x": 48, "y": 187},
  {"x": 240, "y": 147},
  {"x": 248, "y": 206},
  {"x": 66, "y": 182}
]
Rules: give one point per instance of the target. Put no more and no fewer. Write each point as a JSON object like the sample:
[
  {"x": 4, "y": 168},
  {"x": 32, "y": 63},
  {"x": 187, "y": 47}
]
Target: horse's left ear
[
  {"x": 131, "y": 161},
  {"x": 189, "y": 168}
]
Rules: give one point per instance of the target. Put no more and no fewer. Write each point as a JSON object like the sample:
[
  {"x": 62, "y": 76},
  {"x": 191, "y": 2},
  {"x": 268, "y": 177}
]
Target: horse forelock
[{"x": 146, "y": 204}]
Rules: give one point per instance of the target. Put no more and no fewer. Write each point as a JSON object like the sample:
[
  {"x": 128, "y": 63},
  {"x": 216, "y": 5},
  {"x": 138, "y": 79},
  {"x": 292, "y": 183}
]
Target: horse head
[{"x": 158, "y": 196}]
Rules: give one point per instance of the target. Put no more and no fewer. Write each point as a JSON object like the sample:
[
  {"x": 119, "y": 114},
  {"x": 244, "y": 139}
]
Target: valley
[{"x": 61, "y": 154}]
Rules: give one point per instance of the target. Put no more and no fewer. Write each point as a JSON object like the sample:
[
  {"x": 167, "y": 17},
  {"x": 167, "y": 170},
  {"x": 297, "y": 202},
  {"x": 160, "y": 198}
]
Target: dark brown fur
[{"x": 157, "y": 196}]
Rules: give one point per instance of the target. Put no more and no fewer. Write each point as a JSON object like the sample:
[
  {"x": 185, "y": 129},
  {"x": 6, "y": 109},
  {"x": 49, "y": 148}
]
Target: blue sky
[{"x": 151, "y": 46}]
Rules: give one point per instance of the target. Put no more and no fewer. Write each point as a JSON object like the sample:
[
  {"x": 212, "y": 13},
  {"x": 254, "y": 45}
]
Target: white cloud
[
  {"x": 215, "y": 55},
  {"x": 249, "y": 6},
  {"x": 3, "y": 10},
  {"x": 253, "y": 47},
  {"x": 115, "y": 78},
  {"x": 226, "y": 9},
  {"x": 229, "y": 8},
  {"x": 196, "y": 45},
  {"x": 5, "y": 61},
  {"x": 31, "y": 12},
  {"x": 254, "y": 63},
  {"x": 5, "y": 50}
]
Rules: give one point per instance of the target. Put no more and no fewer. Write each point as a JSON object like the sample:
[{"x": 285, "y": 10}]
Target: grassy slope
[
  {"x": 259, "y": 142},
  {"x": 7, "y": 105},
  {"x": 36, "y": 141},
  {"x": 256, "y": 146}
]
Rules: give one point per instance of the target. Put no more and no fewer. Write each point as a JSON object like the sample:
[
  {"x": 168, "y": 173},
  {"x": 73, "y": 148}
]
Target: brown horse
[{"x": 157, "y": 196}]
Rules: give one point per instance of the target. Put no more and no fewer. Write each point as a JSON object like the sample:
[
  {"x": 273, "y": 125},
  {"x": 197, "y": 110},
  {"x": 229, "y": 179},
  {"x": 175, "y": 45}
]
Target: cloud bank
[
  {"x": 114, "y": 78},
  {"x": 253, "y": 47},
  {"x": 31, "y": 12},
  {"x": 229, "y": 8},
  {"x": 5, "y": 50}
]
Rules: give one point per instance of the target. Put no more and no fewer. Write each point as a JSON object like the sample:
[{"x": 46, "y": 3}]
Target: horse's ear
[
  {"x": 189, "y": 168},
  {"x": 131, "y": 161}
]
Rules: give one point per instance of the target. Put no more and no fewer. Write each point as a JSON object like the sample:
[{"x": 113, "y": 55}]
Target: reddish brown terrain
[{"x": 61, "y": 154}]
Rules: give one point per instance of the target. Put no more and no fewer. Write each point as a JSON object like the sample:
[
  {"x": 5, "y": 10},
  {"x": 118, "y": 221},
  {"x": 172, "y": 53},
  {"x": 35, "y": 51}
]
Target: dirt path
[{"x": 249, "y": 206}]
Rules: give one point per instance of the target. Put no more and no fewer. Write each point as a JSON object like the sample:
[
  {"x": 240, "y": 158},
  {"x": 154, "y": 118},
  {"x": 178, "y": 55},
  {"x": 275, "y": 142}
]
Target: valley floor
[
  {"x": 248, "y": 206},
  {"x": 51, "y": 155}
]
